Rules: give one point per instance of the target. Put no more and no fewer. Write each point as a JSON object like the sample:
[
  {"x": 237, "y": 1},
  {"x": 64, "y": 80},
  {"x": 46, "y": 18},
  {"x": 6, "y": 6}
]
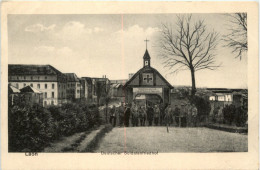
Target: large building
[
  {"x": 148, "y": 84},
  {"x": 73, "y": 87},
  {"x": 45, "y": 78}
]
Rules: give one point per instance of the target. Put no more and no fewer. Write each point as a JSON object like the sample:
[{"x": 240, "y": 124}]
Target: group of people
[{"x": 141, "y": 115}]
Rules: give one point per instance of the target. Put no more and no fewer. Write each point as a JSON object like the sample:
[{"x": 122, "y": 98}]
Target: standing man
[
  {"x": 142, "y": 114},
  {"x": 156, "y": 115},
  {"x": 121, "y": 114},
  {"x": 194, "y": 115},
  {"x": 182, "y": 115},
  {"x": 177, "y": 114},
  {"x": 162, "y": 113},
  {"x": 127, "y": 115},
  {"x": 150, "y": 113},
  {"x": 112, "y": 119},
  {"x": 134, "y": 114},
  {"x": 189, "y": 113},
  {"x": 168, "y": 116}
]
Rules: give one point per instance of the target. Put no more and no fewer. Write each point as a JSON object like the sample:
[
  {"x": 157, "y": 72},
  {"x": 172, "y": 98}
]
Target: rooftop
[
  {"x": 29, "y": 89},
  {"x": 71, "y": 77},
  {"x": 23, "y": 69},
  {"x": 146, "y": 55}
]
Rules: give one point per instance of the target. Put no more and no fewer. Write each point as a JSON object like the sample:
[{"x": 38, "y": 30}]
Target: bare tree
[
  {"x": 237, "y": 36},
  {"x": 187, "y": 46}
]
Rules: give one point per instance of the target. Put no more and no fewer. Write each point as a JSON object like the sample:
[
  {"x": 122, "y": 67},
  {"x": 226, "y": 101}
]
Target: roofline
[
  {"x": 134, "y": 76},
  {"x": 45, "y": 65}
]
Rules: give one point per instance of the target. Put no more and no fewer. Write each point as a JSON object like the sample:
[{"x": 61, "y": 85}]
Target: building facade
[
  {"x": 45, "y": 78},
  {"x": 74, "y": 87},
  {"x": 148, "y": 84}
]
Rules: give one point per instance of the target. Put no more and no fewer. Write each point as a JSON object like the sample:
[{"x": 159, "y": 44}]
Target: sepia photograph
[{"x": 118, "y": 84}]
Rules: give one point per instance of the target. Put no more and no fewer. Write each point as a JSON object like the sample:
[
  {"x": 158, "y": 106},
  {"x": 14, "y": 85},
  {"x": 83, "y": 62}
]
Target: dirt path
[
  {"x": 65, "y": 142},
  {"x": 75, "y": 143}
]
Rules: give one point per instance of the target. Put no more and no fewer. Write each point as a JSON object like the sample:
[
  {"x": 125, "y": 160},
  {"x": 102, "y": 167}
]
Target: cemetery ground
[
  {"x": 150, "y": 139},
  {"x": 153, "y": 139}
]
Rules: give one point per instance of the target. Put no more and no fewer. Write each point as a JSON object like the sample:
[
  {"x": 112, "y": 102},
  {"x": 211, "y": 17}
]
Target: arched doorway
[{"x": 148, "y": 99}]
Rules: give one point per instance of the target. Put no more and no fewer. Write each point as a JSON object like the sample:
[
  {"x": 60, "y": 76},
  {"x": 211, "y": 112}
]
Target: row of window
[
  {"x": 38, "y": 85},
  {"x": 72, "y": 85},
  {"x": 27, "y": 78},
  {"x": 46, "y": 96}
]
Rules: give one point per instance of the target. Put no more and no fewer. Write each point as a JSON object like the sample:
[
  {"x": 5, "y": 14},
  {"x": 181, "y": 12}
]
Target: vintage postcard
[{"x": 129, "y": 85}]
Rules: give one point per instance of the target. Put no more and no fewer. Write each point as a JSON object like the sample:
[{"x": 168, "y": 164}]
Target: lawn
[{"x": 153, "y": 139}]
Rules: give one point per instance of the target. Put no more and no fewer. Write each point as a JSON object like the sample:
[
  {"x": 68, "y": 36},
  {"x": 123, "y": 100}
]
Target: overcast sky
[{"x": 112, "y": 45}]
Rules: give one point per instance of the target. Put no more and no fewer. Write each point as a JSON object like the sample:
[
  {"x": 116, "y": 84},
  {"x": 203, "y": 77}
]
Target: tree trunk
[{"x": 193, "y": 87}]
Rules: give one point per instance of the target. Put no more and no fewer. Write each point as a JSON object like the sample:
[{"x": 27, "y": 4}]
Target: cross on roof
[
  {"x": 148, "y": 78},
  {"x": 146, "y": 42}
]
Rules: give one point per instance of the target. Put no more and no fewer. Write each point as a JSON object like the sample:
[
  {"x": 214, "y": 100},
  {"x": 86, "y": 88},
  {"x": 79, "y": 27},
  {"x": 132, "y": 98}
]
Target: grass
[{"x": 151, "y": 139}]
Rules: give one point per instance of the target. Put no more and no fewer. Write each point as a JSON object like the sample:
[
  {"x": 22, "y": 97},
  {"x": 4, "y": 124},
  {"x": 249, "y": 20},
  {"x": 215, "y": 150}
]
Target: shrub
[
  {"x": 215, "y": 114},
  {"x": 203, "y": 106},
  {"x": 33, "y": 128},
  {"x": 229, "y": 112},
  {"x": 93, "y": 117},
  {"x": 241, "y": 116},
  {"x": 29, "y": 128}
]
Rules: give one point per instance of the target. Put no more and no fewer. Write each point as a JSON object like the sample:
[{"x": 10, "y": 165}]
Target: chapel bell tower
[{"x": 147, "y": 58}]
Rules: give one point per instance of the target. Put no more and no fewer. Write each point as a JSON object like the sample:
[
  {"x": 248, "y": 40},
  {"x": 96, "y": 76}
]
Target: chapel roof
[{"x": 144, "y": 69}]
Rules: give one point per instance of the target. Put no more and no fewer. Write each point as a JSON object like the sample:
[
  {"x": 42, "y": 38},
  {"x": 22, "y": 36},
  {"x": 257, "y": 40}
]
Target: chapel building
[{"x": 147, "y": 85}]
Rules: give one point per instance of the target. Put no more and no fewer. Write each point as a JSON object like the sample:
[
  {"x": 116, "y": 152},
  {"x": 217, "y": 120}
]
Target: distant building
[
  {"x": 45, "y": 78},
  {"x": 27, "y": 95},
  {"x": 87, "y": 92},
  {"x": 73, "y": 87},
  {"x": 105, "y": 82},
  {"x": 104, "y": 87},
  {"x": 116, "y": 90},
  {"x": 222, "y": 96},
  {"x": 32, "y": 96},
  {"x": 13, "y": 95},
  {"x": 122, "y": 81}
]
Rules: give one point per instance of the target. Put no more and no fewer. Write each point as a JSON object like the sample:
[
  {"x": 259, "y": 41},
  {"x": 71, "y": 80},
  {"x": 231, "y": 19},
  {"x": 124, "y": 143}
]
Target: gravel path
[
  {"x": 88, "y": 139},
  {"x": 152, "y": 139}
]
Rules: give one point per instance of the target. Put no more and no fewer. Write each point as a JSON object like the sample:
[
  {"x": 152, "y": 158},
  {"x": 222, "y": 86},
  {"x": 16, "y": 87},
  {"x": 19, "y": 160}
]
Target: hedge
[{"x": 32, "y": 128}]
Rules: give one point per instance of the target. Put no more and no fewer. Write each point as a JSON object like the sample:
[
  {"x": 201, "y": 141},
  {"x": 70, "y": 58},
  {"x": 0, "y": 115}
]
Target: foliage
[
  {"x": 235, "y": 115},
  {"x": 241, "y": 116},
  {"x": 33, "y": 128},
  {"x": 203, "y": 106},
  {"x": 229, "y": 112},
  {"x": 30, "y": 128},
  {"x": 215, "y": 114}
]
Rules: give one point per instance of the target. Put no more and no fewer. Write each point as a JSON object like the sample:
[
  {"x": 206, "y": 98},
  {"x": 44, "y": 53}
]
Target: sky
[{"x": 113, "y": 45}]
